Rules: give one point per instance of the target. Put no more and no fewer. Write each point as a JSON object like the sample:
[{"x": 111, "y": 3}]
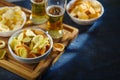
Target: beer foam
[
  {"x": 33, "y": 1},
  {"x": 61, "y": 8}
]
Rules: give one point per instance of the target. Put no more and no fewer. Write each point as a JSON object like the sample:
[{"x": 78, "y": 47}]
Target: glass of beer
[
  {"x": 38, "y": 15},
  {"x": 55, "y": 10}
]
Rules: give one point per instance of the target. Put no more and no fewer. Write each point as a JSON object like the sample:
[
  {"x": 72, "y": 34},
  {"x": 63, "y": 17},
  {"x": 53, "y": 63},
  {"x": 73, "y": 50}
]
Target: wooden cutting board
[{"x": 32, "y": 71}]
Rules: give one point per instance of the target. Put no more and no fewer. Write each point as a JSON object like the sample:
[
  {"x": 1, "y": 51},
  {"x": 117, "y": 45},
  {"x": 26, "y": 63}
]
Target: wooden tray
[{"x": 32, "y": 71}]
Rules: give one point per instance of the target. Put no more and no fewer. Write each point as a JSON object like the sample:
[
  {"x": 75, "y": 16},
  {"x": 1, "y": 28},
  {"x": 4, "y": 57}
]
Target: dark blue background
[{"x": 93, "y": 55}]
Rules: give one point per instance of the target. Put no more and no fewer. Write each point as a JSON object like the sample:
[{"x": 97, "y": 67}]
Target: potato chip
[
  {"x": 44, "y": 43},
  {"x": 27, "y": 39},
  {"x": 97, "y": 9},
  {"x": 95, "y": 4},
  {"x": 93, "y": 15},
  {"x": 83, "y": 15},
  {"x": 91, "y": 10},
  {"x": 20, "y": 36},
  {"x": 3, "y": 10},
  {"x": 34, "y": 50},
  {"x": 0, "y": 18},
  {"x": 83, "y": 7},
  {"x": 39, "y": 43},
  {"x": 37, "y": 39},
  {"x": 30, "y": 33},
  {"x": 3, "y": 28},
  {"x": 23, "y": 53},
  {"x": 14, "y": 43},
  {"x": 31, "y": 45},
  {"x": 8, "y": 14},
  {"x": 73, "y": 14}
]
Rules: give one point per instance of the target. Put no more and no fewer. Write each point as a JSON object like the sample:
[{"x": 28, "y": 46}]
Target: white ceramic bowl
[
  {"x": 30, "y": 60},
  {"x": 9, "y": 33},
  {"x": 82, "y": 21}
]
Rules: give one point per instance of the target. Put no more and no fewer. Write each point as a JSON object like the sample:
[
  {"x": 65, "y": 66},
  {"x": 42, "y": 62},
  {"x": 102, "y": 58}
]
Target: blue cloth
[{"x": 93, "y": 55}]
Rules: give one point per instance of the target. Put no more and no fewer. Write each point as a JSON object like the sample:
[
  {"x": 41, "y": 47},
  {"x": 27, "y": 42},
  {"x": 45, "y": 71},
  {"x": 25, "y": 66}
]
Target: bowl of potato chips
[
  {"x": 30, "y": 45},
  {"x": 84, "y": 12},
  {"x": 11, "y": 20}
]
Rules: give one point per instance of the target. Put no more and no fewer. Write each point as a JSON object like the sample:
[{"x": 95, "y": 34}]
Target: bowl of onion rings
[{"x": 30, "y": 45}]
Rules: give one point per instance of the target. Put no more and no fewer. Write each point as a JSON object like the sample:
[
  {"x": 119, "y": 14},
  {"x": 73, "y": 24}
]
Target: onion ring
[
  {"x": 2, "y": 44},
  {"x": 58, "y": 47}
]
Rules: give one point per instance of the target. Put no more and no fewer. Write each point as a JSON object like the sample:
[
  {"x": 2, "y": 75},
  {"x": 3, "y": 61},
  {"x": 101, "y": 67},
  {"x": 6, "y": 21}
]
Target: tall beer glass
[
  {"x": 55, "y": 10},
  {"x": 38, "y": 15}
]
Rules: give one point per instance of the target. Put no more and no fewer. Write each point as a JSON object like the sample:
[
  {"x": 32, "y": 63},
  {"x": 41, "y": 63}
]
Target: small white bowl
[
  {"x": 30, "y": 60},
  {"x": 9, "y": 33},
  {"x": 82, "y": 21}
]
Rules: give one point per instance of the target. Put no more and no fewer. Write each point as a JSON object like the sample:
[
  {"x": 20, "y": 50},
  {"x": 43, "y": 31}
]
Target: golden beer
[
  {"x": 38, "y": 11},
  {"x": 55, "y": 19}
]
